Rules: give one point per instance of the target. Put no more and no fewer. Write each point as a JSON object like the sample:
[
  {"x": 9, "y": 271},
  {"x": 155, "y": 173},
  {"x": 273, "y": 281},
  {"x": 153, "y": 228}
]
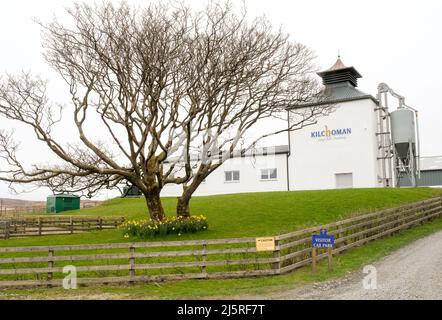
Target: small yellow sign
[{"x": 265, "y": 244}]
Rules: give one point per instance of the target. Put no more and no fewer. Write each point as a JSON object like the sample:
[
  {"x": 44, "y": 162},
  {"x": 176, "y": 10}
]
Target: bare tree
[
  {"x": 160, "y": 81},
  {"x": 124, "y": 66},
  {"x": 242, "y": 75}
]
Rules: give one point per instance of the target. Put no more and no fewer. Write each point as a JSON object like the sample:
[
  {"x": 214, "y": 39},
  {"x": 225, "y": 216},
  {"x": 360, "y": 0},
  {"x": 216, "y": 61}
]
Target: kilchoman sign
[{"x": 328, "y": 134}]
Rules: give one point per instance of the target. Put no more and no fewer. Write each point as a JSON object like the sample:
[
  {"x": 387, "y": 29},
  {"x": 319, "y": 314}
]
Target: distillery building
[{"x": 358, "y": 144}]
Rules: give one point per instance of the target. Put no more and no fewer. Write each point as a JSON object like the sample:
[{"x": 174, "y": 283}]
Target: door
[{"x": 344, "y": 180}]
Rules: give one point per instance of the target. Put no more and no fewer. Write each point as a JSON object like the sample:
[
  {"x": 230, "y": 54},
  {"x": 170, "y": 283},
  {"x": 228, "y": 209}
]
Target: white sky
[{"x": 392, "y": 41}]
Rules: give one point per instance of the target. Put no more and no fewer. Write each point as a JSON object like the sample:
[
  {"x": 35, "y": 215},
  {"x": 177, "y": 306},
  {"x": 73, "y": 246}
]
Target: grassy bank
[
  {"x": 243, "y": 215},
  {"x": 214, "y": 289},
  {"x": 246, "y": 215}
]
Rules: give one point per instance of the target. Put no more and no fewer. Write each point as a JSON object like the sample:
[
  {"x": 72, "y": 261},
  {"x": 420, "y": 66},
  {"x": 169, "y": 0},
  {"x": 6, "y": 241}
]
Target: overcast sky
[{"x": 393, "y": 41}]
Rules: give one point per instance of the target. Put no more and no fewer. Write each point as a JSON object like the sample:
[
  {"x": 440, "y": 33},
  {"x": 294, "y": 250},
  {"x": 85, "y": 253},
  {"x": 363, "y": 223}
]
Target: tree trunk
[
  {"x": 155, "y": 206},
  {"x": 183, "y": 208}
]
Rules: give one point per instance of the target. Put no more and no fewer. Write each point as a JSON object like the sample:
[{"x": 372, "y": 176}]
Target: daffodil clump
[{"x": 147, "y": 229}]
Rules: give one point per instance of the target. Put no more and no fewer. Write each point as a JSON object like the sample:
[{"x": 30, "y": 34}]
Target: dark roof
[
  {"x": 431, "y": 163},
  {"x": 337, "y": 93},
  {"x": 274, "y": 150},
  {"x": 267, "y": 150},
  {"x": 63, "y": 195},
  {"x": 340, "y": 73},
  {"x": 340, "y": 84},
  {"x": 338, "y": 65}
]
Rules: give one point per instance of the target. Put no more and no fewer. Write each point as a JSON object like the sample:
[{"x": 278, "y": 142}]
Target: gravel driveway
[{"x": 413, "y": 272}]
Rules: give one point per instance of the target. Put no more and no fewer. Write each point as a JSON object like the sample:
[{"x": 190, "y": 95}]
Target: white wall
[
  {"x": 250, "y": 177},
  {"x": 315, "y": 161}
]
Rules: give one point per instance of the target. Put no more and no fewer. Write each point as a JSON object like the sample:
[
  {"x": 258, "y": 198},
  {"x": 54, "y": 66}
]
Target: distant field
[
  {"x": 245, "y": 215},
  {"x": 16, "y": 203},
  {"x": 16, "y": 206}
]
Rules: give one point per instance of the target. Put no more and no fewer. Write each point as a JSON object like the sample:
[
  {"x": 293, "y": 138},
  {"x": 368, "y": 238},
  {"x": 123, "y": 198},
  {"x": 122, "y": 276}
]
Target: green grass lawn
[
  {"x": 344, "y": 264},
  {"x": 246, "y": 215},
  {"x": 243, "y": 215}
]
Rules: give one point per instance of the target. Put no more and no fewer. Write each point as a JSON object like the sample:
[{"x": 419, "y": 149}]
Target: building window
[
  {"x": 344, "y": 180},
  {"x": 269, "y": 174},
  {"x": 231, "y": 176}
]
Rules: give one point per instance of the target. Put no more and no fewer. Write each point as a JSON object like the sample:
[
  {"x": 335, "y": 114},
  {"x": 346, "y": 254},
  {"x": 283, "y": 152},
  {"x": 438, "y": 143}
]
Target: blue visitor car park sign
[{"x": 323, "y": 240}]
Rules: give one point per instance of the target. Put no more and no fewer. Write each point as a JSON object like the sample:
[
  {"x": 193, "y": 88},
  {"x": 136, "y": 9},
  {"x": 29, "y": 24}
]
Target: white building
[
  {"x": 430, "y": 173},
  {"x": 257, "y": 171},
  {"x": 339, "y": 151}
]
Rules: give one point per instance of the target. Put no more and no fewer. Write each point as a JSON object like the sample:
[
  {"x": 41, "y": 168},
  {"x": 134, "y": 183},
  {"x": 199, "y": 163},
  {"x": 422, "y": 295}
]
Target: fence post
[
  {"x": 71, "y": 224},
  {"x": 314, "y": 259},
  {"x": 39, "y": 226},
  {"x": 277, "y": 255},
  {"x": 50, "y": 263},
  {"x": 440, "y": 209},
  {"x": 204, "y": 258},
  {"x": 330, "y": 259},
  {"x": 132, "y": 264},
  {"x": 100, "y": 223},
  {"x": 7, "y": 226},
  {"x": 341, "y": 235},
  {"x": 427, "y": 213}
]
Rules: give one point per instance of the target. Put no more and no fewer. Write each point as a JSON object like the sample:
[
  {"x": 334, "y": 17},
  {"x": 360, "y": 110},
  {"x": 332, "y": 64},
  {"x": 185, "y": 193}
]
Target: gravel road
[{"x": 413, "y": 272}]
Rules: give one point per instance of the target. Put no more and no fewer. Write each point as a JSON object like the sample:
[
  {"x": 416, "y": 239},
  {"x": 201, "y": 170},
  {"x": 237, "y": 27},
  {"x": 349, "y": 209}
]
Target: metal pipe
[
  {"x": 412, "y": 165},
  {"x": 383, "y": 132},
  {"x": 389, "y": 141},
  {"x": 418, "y": 141},
  {"x": 379, "y": 139},
  {"x": 289, "y": 152},
  {"x": 395, "y": 169}
]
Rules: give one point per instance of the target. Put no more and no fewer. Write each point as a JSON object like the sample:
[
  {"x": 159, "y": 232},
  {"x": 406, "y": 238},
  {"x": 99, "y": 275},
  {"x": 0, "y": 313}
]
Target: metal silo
[
  {"x": 404, "y": 136},
  {"x": 400, "y": 145},
  {"x": 403, "y": 133}
]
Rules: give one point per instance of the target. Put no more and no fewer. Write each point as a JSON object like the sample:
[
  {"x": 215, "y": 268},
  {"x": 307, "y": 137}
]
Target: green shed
[{"x": 62, "y": 202}]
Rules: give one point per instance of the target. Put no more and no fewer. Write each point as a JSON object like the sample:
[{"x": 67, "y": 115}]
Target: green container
[{"x": 62, "y": 202}]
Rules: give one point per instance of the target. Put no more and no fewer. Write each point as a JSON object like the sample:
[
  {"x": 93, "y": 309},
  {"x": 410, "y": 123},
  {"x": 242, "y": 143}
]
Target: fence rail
[
  {"x": 46, "y": 225},
  {"x": 200, "y": 259},
  {"x": 17, "y": 211}
]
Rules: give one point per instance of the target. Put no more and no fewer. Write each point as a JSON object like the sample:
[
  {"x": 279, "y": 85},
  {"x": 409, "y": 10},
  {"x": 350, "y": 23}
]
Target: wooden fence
[
  {"x": 47, "y": 225},
  {"x": 200, "y": 259},
  {"x": 17, "y": 211}
]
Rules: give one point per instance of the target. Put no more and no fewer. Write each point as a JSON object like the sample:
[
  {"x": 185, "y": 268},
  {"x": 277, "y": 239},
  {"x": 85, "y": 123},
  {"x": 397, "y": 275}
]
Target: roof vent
[{"x": 339, "y": 73}]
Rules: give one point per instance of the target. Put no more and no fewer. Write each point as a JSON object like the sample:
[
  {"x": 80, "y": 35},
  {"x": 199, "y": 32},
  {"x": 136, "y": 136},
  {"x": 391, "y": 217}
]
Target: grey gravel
[{"x": 412, "y": 272}]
